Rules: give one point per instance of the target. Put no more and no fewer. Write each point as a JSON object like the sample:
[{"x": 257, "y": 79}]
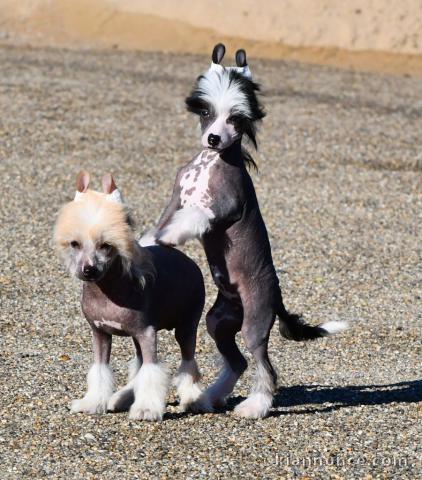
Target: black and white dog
[{"x": 214, "y": 201}]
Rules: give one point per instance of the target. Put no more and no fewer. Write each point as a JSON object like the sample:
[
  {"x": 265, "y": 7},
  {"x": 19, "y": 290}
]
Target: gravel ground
[{"x": 340, "y": 189}]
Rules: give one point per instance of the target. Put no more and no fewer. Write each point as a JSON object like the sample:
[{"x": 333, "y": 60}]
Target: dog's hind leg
[
  {"x": 100, "y": 377},
  {"x": 224, "y": 320},
  {"x": 123, "y": 398},
  {"x": 256, "y": 328},
  {"x": 188, "y": 375}
]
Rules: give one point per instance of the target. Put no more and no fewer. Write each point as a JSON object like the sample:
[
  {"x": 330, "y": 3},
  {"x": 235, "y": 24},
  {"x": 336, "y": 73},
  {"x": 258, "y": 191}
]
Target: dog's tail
[{"x": 293, "y": 327}]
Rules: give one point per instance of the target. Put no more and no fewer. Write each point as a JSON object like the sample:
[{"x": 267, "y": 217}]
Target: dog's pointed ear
[
  {"x": 108, "y": 184},
  {"x": 241, "y": 58},
  {"x": 82, "y": 181},
  {"x": 218, "y": 53}
]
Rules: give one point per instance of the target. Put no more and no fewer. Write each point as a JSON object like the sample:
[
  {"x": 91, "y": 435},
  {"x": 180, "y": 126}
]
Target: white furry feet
[
  {"x": 257, "y": 405},
  {"x": 150, "y": 387},
  {"x": 100, "y": 389},
  {"x": 148, "y": 239},
  {"x": 217, "y": 393},
  {"x": 88, "y": 405},
  {"x": 191, "y": 396}
]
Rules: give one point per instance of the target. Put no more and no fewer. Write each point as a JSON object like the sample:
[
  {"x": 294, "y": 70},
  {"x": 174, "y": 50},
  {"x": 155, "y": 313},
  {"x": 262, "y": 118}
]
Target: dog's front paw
[
  {"x": 148, "y": 239},
  {"x": 88, "y": 405},
  {"x": 256, "y": 405},
  {"x": 168, "y": 238},
  {"x": 137, "y": 412}
]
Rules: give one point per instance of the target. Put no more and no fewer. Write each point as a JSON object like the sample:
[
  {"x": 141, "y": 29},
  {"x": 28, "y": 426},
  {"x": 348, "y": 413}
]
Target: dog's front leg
[
  {"x": 100, "y": 377},
  {"x": 151, "y": 382},
  {"x": 123, "y": 398},
  {"x": 151, "y": 237}
]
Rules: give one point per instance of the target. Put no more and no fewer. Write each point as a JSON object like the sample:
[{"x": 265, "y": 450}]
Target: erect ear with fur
[
  {"x": 110, "y": 189},
  {"x": 108, "y": 184},
  {"x": 241, "y": 58},
  {"x": 218, "y": 53},
  {"x": 82, "y": 181}
]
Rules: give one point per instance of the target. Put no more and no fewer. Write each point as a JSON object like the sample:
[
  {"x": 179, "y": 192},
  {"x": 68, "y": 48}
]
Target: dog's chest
[
  {"x": 194, "y": 184},
  {"x": 105, "y": 314}
]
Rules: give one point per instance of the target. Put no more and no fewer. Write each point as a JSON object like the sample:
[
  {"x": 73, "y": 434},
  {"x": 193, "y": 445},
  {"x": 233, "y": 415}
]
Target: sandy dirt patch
[{"x": 366, "y": 36}]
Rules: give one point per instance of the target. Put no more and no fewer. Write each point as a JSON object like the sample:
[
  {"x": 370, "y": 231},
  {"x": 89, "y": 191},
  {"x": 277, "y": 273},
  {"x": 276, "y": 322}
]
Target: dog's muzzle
[
  {"x": 90, "y": 273},
  {"x": 213, "y": 140}
]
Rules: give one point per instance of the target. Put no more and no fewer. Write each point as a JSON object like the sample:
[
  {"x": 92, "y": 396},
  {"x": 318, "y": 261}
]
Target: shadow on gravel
[
  {"x": 329, "y": 398},
  {"x": 334, "y": 398}
]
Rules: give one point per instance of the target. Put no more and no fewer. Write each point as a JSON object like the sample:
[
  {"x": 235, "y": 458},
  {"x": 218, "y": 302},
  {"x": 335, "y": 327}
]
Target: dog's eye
[
  {"x": 75, "y": 244},
  {"x": 204, "y": 113},
  {"x": 105, "y": 246}
]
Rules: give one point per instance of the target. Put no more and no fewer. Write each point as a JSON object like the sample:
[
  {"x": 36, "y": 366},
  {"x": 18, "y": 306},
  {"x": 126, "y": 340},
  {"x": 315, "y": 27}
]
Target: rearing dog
[{"x": 214, "y": 200}]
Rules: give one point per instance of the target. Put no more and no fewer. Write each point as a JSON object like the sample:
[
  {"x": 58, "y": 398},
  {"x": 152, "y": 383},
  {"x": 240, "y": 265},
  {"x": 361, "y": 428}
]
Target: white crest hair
[
  {"x": 93, "y": 215},
  {"x": 245, "y": 71},
  {"x": 114, "y": 196},
  {"x": 224, "y": 93}
]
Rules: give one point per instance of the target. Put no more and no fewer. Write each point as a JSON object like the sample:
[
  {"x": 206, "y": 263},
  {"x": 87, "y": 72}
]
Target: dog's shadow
[
  {"x": 323, "y": 398},
  {"x": 326, "y": 398}
]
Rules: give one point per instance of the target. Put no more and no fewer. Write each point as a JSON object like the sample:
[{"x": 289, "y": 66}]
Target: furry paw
[
  {"x": 201, "y": 405},
  {"x": 137, "y": 412},
  {"x": 256, "y": 405},
  {"x": 148, "y": 239},
  {"x": 186, "y": 224},
  {"x": 121, "y": 400},
  {"x": 168, "y": 238},
  {"x": 88, "y": 405}
]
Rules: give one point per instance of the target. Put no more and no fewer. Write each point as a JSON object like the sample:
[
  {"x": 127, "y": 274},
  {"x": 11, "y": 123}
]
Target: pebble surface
[{"x": 340, "y": 190}]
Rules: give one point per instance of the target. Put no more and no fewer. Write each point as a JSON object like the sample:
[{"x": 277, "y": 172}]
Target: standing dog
[
  {"x": 131, "y": 291},
  {"x": 214, "y": 201}
]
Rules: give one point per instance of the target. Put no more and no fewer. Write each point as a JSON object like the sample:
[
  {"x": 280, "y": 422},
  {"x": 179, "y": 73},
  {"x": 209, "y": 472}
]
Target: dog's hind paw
[
  {"x": 201, "y": 405},
  {"x": 256, "y": 405},
  {"x": 121, "y": 400}
]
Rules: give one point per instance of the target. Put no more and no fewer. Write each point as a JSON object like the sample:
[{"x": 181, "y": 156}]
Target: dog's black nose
[
  {"x": 213, "y": 140},
  {"x": 89, "y": 272}
]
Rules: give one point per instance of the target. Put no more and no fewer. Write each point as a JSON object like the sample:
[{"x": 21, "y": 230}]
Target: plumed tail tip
[
  {"x": 334, "y": 327},
  {"x": 293, "y": 327}
]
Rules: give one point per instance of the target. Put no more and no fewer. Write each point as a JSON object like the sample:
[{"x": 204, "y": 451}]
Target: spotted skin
[{"x": 194, "y": 183}]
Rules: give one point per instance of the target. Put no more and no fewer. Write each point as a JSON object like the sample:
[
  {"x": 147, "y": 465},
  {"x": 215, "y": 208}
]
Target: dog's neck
[{"x": 233, "y": 154}]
